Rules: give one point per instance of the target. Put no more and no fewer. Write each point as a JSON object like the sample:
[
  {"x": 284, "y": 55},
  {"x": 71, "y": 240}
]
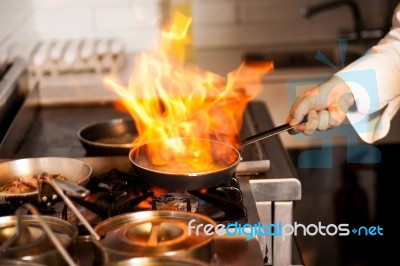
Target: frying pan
[
  {"x": 225, "y": 160},
  {"x": 112, "y": 137},
  {"x": 74, "y": 170}
]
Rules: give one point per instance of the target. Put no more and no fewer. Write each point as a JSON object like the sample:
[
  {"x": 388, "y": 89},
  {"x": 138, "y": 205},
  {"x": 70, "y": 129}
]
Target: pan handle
[
  {"x": 74, "y": 209},
  {"x": 48, "y": 195},
  {"x": 268, "y": 133}
]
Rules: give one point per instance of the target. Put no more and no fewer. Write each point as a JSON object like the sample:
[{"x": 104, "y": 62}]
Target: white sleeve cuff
[{"x": 369, "y": 127}]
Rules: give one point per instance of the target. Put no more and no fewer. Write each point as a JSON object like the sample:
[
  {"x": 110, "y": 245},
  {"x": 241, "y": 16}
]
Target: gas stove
[{"x": 50, "y": 130}]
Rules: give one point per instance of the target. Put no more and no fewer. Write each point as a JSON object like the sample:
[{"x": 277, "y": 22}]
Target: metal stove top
[{"x": 51, "y": 130}]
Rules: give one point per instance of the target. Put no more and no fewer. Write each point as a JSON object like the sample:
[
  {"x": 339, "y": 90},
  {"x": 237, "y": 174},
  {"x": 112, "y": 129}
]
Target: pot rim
[{"x": 56, "y": 224}]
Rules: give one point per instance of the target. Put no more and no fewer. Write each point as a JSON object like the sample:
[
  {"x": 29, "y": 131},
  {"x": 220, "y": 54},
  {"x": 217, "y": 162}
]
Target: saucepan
[
  {"x": 36, "y": 239},
  {"x": 180, "y": 176}
]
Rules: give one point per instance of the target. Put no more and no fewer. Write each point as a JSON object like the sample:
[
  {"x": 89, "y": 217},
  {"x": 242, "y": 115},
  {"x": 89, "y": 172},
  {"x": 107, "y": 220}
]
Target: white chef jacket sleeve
[{"x": 374, "y": 80}]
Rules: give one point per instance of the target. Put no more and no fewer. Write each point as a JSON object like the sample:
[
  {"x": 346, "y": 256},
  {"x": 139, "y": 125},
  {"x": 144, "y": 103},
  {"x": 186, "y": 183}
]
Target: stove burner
[
  {"x": 116, "y": 192},
  {"x": 176, "y": 202},
  {"x": 221, "y": 197},
  {"x": 171, "y": 202}
]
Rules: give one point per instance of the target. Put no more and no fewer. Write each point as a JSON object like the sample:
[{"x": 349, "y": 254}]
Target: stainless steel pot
[
  {"x": 155, "y": 234},
  {"x": 36, "y": 238}
]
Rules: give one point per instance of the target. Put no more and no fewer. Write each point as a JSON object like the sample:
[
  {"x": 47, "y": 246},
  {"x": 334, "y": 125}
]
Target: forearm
[
  {"x": 383, "y": 61},
  {"x": 374, "y": 81}
]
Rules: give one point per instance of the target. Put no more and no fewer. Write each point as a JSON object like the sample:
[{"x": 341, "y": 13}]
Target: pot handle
[{"x": 21, "y": 229}]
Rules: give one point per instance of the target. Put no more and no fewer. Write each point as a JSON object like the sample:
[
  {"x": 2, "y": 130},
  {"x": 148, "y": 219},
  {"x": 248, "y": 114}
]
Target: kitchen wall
[
  {"x": 136, "y": 22},
  {"x": 218, "y": 25},
  {"x": 17, "y": 35},
  {"x": 229, "y": 18}
]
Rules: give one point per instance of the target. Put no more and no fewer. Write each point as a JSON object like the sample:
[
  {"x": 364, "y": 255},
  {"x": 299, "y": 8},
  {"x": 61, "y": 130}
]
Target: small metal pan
[
  {"x": 74, "y": 170},
  {"x": 113, "y": 137},
  {"x": 172, "y": 176}
]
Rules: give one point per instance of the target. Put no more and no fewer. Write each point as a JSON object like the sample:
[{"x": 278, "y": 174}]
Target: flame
[
  {"x": 171, "y": 100},
  {"x": 147, "y": 203}
]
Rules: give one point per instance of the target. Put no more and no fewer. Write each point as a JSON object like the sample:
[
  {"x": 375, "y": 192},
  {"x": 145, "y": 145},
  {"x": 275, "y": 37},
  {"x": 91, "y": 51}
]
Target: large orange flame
[{"x": 170, "y": 100}]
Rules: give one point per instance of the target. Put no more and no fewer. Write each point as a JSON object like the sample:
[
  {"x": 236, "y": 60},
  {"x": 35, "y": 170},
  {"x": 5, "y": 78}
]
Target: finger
[
  {"x": 299, "y": 110},
  {"x": 323, "y": 120},
  {"x": 294, "y": 131},
  {"x": 302, "y": 106},
  {"x": 312, "y": 123}
]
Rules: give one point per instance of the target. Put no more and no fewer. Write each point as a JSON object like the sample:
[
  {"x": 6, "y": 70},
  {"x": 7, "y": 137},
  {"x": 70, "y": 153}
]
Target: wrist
[{"x": 341, "y": 92}]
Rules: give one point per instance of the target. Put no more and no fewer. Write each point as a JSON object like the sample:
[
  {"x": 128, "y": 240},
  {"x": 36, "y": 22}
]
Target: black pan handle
[{"x": 268, "y": 133}]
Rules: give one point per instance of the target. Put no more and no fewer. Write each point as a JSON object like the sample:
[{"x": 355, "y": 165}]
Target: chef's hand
[{"x": 325, "y": 106}]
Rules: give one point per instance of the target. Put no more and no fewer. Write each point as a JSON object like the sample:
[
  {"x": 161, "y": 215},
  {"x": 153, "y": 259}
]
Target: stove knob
[
  {"x": 54, "y": 197},
  {"x": 44, "y": 198}
]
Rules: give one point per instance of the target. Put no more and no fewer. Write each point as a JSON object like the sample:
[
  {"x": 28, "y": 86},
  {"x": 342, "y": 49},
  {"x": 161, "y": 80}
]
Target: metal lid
[
  {"x": 34, "y": 240},
  {"x": 160, "y": 261},
  {"x": 154, "y": 233},
  {"x": 8, "y": 262}
]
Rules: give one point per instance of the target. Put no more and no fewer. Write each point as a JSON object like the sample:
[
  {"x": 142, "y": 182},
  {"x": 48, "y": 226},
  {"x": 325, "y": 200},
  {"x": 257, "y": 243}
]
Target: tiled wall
[
  {"x": 134, "y": 21},
  {"x": 216, "y": 22},
  {"x": 17, "y": 36},
  {"x": 272, "y": 22}
]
